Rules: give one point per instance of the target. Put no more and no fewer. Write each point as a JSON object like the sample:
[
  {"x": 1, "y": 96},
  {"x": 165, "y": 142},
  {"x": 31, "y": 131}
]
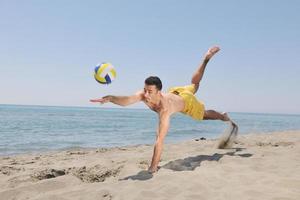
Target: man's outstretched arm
[
  {"x": 120, "y": 100},
  {"x": 164, "y": 122}
]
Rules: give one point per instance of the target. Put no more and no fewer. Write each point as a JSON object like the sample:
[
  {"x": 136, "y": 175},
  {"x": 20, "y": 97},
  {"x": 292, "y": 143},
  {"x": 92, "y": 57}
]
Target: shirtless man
[{"x": 178, "y": 99}]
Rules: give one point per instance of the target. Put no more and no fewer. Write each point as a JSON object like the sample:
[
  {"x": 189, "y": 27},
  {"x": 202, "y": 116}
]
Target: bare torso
[{"x": 169, "y": 103}]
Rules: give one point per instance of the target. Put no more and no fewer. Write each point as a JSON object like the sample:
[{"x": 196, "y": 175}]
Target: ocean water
[{"x": 25, "y": 129}]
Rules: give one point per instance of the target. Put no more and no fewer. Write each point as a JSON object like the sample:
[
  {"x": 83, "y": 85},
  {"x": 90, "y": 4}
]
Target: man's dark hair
[{"x": 154, "y": 80}]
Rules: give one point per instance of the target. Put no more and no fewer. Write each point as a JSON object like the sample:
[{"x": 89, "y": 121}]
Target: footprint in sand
[
  {"x": 48, "y": 173},
  {"x": 143, "y": 164},
  {"x": 106, "y": 195},
  {"x": 274, "y": 144},
  {"x": 8, "y": 170},
  {"x": 93, "y": 174}
]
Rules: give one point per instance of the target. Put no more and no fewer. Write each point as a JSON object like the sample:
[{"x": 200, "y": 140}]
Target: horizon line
[{"x": 121, "y": 107}]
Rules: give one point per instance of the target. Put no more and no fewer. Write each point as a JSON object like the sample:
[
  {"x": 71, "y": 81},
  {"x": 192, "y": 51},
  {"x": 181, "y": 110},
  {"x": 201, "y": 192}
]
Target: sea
[{"x": 36, "y": 129}]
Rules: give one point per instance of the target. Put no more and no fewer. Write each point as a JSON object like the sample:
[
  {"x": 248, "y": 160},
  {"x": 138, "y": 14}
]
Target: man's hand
[{"x": 102, "y": 100}]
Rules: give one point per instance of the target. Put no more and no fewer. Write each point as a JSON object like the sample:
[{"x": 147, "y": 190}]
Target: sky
[{"x": 49, "y": 49}]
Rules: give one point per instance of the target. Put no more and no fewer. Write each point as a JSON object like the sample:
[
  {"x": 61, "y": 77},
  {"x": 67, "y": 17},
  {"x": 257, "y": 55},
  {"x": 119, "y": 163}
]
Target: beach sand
[{"x": 258, "y": 166}]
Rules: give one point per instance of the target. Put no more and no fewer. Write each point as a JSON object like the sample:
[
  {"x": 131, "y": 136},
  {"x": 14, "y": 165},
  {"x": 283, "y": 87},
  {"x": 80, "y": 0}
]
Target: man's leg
[
  {"x": 214, "y": 115},
  {"x": 197, "y": 76}
]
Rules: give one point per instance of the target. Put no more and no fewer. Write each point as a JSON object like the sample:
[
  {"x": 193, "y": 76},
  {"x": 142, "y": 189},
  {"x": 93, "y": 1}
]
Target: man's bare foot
[
  {"x": 211, "y": 52},
  {"x": 152, "y": 171},
  {"x": 225, "y": 116}
]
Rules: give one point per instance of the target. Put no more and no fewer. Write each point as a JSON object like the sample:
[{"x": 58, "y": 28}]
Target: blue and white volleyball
[{"x": 105, "y": 73}]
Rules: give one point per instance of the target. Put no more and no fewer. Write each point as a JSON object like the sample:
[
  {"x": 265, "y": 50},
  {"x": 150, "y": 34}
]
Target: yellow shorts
[{"x": 193, "y": 107}]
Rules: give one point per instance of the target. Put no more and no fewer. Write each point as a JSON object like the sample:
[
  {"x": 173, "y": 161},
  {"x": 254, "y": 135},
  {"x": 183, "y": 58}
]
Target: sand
[{"x": 258, "y": 166}]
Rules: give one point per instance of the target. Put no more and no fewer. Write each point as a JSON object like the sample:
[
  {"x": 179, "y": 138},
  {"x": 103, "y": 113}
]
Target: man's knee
[{"x": 206, "y": 115}]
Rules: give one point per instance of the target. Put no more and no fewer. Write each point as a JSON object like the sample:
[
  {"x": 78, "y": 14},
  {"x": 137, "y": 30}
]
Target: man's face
[{"x": 151, "y": 93}]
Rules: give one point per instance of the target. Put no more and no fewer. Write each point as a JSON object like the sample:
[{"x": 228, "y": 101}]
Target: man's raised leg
[{"x": 197, "y": 76}]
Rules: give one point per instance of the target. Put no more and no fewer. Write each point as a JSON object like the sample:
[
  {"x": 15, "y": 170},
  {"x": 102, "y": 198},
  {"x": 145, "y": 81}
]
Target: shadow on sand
[
  {"x": 188, "y": 164},
  {"x": 141, "y": 176}
]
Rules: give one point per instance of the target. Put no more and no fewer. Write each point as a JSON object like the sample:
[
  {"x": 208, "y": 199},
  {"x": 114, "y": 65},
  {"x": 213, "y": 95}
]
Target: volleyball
[{"x": 105, "y": 73}]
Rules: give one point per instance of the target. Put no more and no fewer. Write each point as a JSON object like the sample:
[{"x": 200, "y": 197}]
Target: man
[{"x": 178, "y": 99}]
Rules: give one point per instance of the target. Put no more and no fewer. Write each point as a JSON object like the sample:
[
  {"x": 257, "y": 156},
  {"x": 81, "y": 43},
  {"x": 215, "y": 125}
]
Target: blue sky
[{"x": 48, "y": 51}]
